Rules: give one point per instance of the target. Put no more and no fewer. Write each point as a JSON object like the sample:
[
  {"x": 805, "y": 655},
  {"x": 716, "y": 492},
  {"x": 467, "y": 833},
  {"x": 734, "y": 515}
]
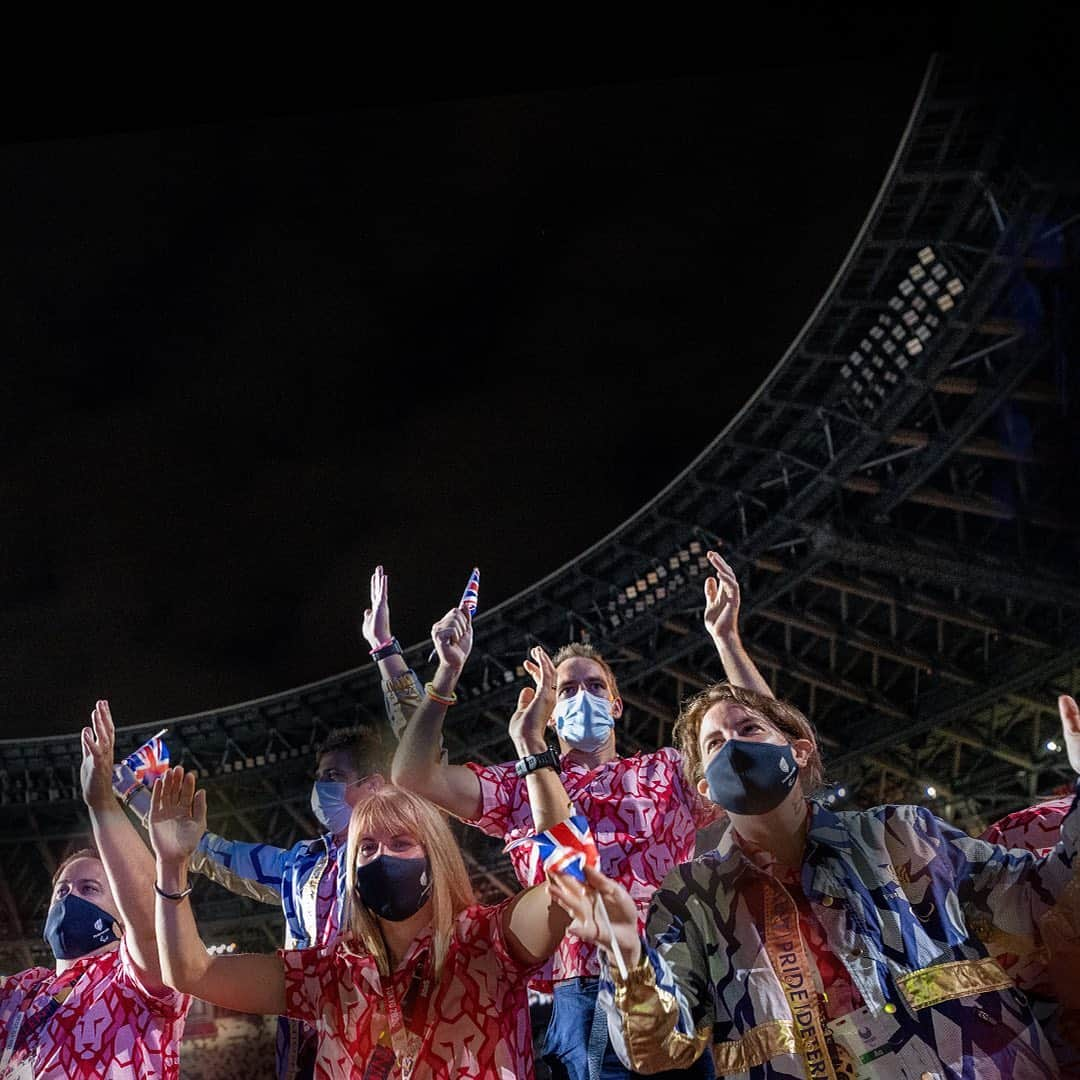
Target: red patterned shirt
[
  {"x": 1033, "y": 829},
  {"x": 643, "y": 815},
  {"x": 473, "y": 1024},
  {"x": 109, "y": 1026}
]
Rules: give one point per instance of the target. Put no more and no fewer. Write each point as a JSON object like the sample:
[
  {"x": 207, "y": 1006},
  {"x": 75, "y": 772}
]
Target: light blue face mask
[
  {"x": 585, "y": 720},
  {"x": 329, "y": 806}
]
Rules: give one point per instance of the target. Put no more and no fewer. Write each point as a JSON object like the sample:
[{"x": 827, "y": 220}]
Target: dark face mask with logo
[
  {"x": 75, "y": 927},
  {"x": 751, "y": 778},
  {"x": 394, "y": 888}
]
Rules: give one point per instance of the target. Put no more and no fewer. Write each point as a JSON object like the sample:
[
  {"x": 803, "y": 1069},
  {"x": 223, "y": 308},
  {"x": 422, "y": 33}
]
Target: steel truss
[{"x": 895, "y": 498}]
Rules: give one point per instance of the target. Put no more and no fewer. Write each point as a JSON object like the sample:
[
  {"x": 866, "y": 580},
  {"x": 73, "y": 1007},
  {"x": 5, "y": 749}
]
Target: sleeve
[
  {"x": 254, "y": 870},
  {"x": 661, "y": 1015},
  {"x": 401, "y": 697},
  {"x": 491, "y": 921},
  {"x": 165, "y": 1002},
  {"x": 501, "y": 790},
  {"x": 1034, "y": 829},
  {"x": 703, "y": 811},
  {"x": 311, "y": 977},
  {"x": 1014, "y": 889}
]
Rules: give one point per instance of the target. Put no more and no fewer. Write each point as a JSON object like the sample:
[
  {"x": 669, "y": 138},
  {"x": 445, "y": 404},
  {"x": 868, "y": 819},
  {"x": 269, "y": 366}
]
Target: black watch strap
[
  {"x": 391, "y": 648},
  {"x": 549, "y": 759}
]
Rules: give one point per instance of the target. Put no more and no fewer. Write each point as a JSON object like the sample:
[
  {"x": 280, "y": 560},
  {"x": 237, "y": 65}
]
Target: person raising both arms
[
  {"x": 103, "y": 1012},
  {"x": 820, "y": 944},
  {"x": 643, "y": 814},
  {"x": 424, "y": 982}
]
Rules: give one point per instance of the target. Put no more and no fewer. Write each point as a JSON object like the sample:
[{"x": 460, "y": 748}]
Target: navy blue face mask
[
  {"x": 748, "y": 777},
  {"x": 394, "y": 888},
  {"x": 75, "y": 927}
]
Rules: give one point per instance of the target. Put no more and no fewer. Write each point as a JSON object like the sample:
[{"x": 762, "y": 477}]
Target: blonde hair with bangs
[{"x": 393, "y": 810}]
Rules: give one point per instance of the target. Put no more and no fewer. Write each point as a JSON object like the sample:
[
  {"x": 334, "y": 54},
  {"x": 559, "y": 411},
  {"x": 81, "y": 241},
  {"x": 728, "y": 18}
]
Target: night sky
[{"x": 248, "y": 358}]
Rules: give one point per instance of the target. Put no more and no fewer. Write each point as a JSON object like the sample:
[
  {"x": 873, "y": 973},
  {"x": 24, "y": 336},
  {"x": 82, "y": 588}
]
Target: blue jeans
[{"x": 566, "y": 1047}]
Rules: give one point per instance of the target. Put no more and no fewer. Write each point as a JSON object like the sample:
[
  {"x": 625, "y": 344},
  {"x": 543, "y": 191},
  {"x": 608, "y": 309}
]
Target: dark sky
[{"x": 246, "y": 359}]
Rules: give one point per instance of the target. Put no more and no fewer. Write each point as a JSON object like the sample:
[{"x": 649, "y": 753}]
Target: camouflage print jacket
[{"x": 892, "y": 888}]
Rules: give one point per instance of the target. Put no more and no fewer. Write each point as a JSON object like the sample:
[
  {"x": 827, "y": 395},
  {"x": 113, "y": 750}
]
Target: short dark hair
[
  {"x": 82, "y": 853},
  {"x": 364, "y": 746}
]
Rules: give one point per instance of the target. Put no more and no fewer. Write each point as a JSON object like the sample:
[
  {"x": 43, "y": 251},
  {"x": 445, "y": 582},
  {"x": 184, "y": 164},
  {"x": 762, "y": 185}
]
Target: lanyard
[
  {"x": 30, "y": 1029},
  {"x": 417, "y": 999},
  {"x": 787, "y": 954}
]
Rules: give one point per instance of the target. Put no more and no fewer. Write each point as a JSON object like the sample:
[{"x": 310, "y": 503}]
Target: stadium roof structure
[{"x": 894, "y": 498}]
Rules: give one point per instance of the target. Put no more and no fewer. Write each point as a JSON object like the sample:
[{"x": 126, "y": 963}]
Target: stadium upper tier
[{"x": 895, "y": 498}]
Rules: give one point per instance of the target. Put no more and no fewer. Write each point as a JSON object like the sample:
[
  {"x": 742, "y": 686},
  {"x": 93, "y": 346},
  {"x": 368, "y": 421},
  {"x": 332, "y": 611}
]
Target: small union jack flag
[
  {"x": 470, "y": 598},
  {"x": 567, "y": 848},
  {"x": 150, "y": 761}
]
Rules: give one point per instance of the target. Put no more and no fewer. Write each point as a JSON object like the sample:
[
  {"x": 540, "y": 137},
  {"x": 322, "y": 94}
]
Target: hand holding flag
[
  {"x": 133, "y": 778},
  {"x": 567, "y": 850},
  {"x": 470, "y": 600}
]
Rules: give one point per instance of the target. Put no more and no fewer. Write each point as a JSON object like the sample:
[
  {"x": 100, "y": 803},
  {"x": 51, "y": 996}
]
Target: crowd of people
[{"x": 809, "y": 942}]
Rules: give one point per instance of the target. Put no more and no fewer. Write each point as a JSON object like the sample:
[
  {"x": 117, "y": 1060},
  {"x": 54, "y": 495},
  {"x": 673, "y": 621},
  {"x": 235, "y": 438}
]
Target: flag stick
[{"x": 605, "y": 923}]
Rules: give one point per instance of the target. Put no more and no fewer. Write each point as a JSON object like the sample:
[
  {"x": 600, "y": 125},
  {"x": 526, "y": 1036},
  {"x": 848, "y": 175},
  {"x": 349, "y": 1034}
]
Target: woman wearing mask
[
  {"x": 822, "y": 944},
  {"x": 424, "y": 982}
]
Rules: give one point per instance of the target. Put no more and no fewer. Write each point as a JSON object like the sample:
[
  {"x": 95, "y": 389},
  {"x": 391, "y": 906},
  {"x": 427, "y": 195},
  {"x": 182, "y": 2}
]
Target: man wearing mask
[
  {"x": 103, "y": 1011},
  {"x": 643, "y": 814},
  {"x": 306, "y": 879}
]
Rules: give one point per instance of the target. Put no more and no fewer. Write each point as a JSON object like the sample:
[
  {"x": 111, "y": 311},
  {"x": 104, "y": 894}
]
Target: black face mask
[
  {"x": 749, "y": 777},
  {"x": 75, "y": 927},
  {"x": 394, "y": 888}
]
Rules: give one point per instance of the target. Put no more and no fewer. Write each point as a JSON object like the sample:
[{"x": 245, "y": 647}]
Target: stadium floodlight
[{"x": 926, "y": 256}]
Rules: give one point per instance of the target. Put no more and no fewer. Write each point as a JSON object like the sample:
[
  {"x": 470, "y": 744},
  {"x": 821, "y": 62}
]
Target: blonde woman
[{"x": 425, "y": 983}]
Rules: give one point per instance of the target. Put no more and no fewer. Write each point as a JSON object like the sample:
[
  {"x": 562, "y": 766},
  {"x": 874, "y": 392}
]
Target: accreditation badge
[{"x": 879, "y": 1050}]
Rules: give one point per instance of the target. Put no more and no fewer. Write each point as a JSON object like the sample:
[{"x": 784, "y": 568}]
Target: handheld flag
[
  {"x": 470, "y": 601},
  {"x": 567, "y": 848},
  {"x": 150, "y": 761},
  {"x": 470, "y": 598}
]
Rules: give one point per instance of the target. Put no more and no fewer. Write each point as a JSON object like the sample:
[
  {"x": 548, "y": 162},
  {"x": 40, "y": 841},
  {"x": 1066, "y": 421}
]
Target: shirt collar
[{"x": 825, "y": 829}]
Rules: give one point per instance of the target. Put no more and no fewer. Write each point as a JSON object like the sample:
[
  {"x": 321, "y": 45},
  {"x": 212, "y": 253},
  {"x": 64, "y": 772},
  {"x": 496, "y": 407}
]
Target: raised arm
[
  {"x": 248, "y": 983},
  {"x": 535, "y": 923},
  {"x": 722, "y": 624},
  {"x": 418, "y": 763},
  {"x": 128, "y": 863},
  {"x": 402, "y": 691}
]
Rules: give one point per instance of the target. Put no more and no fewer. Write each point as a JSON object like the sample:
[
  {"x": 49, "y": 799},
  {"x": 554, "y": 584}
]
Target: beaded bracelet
[{"x": 432, "y": 693}]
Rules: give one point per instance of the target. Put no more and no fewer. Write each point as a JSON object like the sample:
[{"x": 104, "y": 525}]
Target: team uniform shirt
[
  {"x": 472, "y": 1024},
  {"x": 1045, "y": 964},
  {"x": 1033, "y": 829},
  {"x": 830, "y": 977},
  {"x": 643, "y": 815},
  {"x": 725, "y": 964},
  {"x": 107, "y": 1027}
]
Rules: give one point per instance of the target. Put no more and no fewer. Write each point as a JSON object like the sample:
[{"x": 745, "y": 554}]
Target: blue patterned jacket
[
  {"x": 286, "y": 876},
  {"x": 894, "y": 889}
]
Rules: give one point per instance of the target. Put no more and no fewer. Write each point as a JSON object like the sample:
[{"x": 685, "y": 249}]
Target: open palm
[{"x": 177, "y": 818}]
